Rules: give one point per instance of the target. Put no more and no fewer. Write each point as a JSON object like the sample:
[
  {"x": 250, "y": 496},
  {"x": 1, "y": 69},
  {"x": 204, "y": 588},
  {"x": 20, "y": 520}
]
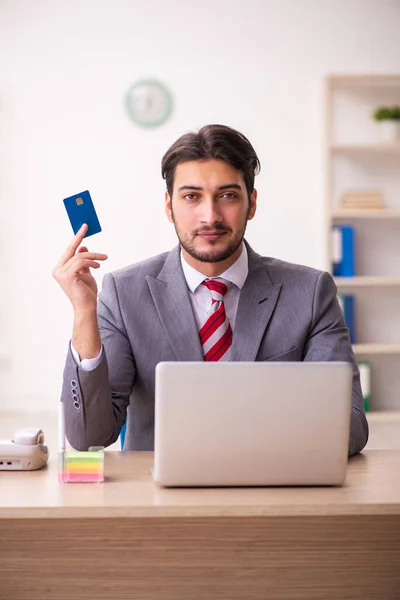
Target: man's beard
[{"x": 207, "y": 256}]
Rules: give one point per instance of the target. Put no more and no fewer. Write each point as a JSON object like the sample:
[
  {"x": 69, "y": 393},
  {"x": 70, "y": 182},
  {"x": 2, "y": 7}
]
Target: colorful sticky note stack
[{"x": 82, "y": 467}]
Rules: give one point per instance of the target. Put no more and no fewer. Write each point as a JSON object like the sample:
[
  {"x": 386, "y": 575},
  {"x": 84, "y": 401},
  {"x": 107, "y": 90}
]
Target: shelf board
[
  {"x": 375, "y": 348},
  {"x": 367, "y": 281},
  {"x": 366, "y": 79},
  {"x": 370, "y": 148},
  {"x": 384, "y": 416},
  {"x": 365, "y": 213}
]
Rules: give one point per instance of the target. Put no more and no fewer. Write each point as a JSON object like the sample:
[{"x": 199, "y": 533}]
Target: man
[{"x": 211, "y": 298}]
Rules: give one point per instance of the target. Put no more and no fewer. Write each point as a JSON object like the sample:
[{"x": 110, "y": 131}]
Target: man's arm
[
  {"x": 95, "y": 400},
  {"x": 96, "y": 411},
  {"x": 329, "y": 340}
]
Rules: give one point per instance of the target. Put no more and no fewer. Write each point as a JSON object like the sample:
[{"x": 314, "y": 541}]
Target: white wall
[{"x": 256, "y": 65}]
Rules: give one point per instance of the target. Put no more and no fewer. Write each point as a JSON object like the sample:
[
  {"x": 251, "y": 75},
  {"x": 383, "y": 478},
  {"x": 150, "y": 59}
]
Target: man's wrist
[
  {"x": 86, "y": 335},
  {"x": 85, "y": 317}
]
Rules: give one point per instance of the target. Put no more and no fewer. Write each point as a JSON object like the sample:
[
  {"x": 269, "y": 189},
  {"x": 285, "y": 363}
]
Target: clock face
[{"x": 149, "y": 103}]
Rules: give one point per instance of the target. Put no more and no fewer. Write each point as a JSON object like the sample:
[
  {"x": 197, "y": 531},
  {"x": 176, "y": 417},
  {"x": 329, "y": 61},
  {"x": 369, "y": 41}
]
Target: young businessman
[{"x": 210, "y": 298}]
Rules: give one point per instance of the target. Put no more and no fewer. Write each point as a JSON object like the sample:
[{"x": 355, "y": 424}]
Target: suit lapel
[
  {"x": 172, "y": 301},
  {"x": 257, "y": 301}
]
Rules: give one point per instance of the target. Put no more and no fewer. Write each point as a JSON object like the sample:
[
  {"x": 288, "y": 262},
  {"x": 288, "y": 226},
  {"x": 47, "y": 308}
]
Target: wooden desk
[{"x": 129, "y": 539}]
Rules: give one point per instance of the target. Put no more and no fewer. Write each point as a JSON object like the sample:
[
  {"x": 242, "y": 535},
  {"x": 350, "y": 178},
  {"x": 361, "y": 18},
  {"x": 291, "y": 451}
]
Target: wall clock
[{"x": 149, "y": 103}]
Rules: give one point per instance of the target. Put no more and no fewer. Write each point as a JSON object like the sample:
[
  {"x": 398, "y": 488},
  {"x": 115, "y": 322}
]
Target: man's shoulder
[
  {"x": 282, "y": 270},
  {"x": 147, "y": 267},
  {"x": 297, "y": 280}
]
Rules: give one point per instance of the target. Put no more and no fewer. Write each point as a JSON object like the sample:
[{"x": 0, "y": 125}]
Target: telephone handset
[{"x": 25, "y": 452}]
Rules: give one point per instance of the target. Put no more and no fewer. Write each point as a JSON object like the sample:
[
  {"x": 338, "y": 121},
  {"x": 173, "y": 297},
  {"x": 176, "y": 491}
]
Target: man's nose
[{"x": 211, "y": 212}]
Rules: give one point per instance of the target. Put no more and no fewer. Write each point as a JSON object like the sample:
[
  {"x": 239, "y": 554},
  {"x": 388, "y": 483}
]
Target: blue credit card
[{"x": 80, "y": 210}]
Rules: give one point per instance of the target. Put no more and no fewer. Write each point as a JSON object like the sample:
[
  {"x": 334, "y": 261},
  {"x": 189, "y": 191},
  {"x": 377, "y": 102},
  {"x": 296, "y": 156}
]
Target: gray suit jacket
[{"x": 286, "y": 312}]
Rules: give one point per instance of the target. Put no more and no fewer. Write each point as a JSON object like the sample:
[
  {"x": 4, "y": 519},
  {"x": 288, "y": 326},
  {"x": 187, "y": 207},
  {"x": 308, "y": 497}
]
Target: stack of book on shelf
[{"x": 363, "y": 200}]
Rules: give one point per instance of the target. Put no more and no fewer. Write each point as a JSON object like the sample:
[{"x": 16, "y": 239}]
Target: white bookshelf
[{"x": 356, "y": 160}]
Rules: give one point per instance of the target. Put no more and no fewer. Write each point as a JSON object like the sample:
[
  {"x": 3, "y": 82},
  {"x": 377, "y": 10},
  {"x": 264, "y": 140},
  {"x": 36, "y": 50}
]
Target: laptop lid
[{"x": 252, "y": 423}]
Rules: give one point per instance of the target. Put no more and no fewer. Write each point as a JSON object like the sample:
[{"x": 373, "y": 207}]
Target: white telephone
[{"x": 25, "y": 452}]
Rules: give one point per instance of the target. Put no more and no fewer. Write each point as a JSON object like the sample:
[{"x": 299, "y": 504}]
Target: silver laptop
[{"x": 252, "y": 423}]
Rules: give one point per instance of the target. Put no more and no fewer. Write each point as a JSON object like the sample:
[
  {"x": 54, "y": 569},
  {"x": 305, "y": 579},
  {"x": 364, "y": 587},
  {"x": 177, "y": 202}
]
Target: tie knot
[{"x": 217, "y": 288}]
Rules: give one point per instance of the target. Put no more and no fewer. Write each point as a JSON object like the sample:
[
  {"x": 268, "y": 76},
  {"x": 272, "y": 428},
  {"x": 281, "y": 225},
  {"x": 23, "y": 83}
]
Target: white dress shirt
[{"x": 200, "y": 297}]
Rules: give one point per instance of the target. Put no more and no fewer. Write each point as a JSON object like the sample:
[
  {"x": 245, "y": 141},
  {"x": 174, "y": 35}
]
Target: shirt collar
[{"x": 236, "y": 273}]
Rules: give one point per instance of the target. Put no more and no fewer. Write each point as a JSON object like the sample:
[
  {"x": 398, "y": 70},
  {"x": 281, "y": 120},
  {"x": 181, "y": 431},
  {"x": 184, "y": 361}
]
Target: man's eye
[
  {"x": 190, "y": 196},
  {"x": 229, "y": 195}
]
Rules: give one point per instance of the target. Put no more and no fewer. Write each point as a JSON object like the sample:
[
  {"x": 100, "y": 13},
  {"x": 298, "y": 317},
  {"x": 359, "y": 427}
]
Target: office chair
[{"x": 122, "y": 435}]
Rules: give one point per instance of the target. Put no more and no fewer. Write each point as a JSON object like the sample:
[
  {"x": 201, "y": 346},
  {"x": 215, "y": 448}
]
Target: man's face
[{"x": 210, "y": 208}]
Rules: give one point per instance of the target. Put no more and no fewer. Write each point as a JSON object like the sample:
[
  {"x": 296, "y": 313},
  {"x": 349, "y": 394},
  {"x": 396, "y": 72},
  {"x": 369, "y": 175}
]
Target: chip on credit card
[{"x": 80, "y": 210}]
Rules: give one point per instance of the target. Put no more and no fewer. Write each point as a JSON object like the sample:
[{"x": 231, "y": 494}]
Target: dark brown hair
[{"x": 212, "y": 142}]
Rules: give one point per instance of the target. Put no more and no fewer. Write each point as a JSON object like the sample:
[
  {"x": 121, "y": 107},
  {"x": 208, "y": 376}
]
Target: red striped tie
[{"x": 216, "y": 333}]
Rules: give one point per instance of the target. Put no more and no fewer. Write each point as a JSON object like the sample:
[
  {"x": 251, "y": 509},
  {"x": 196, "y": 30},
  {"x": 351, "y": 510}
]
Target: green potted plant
[{"x": 388, "y": 118}]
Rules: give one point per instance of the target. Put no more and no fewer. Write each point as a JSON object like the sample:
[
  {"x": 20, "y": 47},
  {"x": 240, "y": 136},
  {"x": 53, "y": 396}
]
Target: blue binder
[
  {"x": 347, "y": 303},
  {"x": 343, "y": 251}
]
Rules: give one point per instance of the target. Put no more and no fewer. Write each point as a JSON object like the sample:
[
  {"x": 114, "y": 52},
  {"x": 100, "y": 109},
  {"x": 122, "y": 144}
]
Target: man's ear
[
  {"x": 168, "y": 207},
  {"x": 253, "y": 204}
]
